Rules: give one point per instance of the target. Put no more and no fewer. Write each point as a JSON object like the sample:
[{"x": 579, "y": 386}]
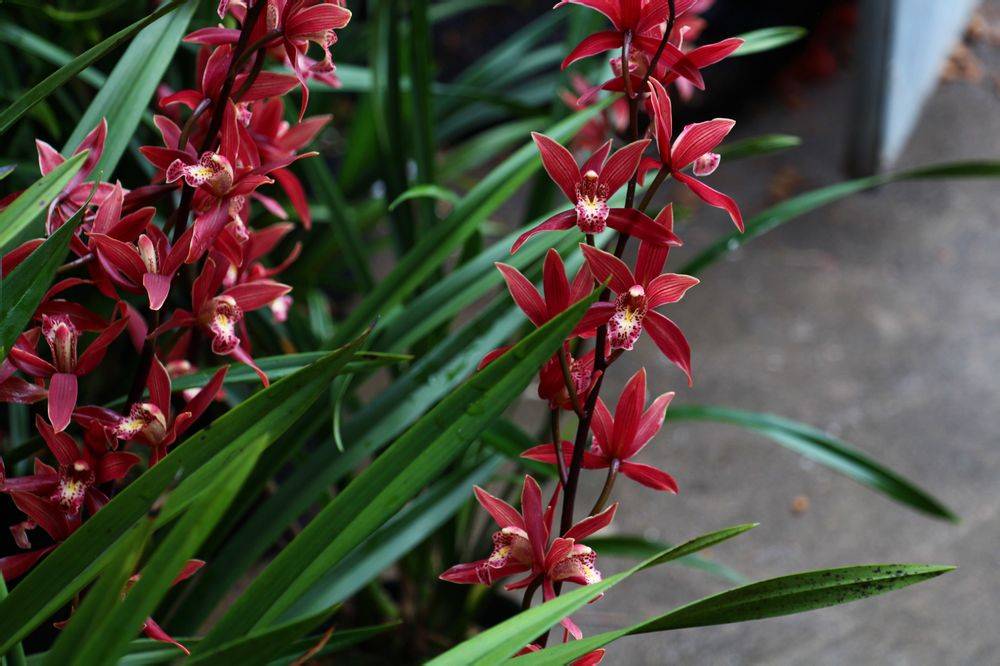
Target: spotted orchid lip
[{"x": 212, "y": 171}]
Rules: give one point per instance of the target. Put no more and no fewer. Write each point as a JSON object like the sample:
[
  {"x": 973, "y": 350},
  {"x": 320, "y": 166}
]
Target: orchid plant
[{"x": 171, "y": 325}]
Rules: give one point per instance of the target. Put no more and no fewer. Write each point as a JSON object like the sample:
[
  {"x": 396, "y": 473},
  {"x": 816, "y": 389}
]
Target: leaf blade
[
  {"x": 395, "y": 476},
  {"x": 824, "y": 449},
  {"x": 43, "y": 89},
  {"x": 35, "y": 200}
]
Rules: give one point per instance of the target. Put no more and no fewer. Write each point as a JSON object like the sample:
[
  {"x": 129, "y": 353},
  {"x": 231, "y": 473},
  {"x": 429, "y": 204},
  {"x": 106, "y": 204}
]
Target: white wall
[{"x": 922, "y": 34}]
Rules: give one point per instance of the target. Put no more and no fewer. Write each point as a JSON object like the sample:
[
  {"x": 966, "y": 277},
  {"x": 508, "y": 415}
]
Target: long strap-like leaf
[
  {"x": 254, "y": 424},
  {"x": 824, "y": 449},
  {"x": 397, "y": 475},
  {"x": 59, "y": 77},
  {"x": 503, "y": 640},
  {"x": 35, "y": 200},
  {"x": 795, "y": 593},
  {"x": 788, "y": 210}
]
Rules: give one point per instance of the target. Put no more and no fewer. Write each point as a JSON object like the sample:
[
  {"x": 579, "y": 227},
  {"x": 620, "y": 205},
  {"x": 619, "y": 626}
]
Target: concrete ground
[{"x": 876, "y": 319}]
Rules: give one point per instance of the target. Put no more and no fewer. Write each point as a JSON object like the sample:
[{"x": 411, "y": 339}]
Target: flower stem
[
  {"x": 557, "y": 445},
  {"x": 671, "y": 18},
  {"x": 609, "y": 484},
  {"x": 529, "y": 592},
  {"x": 574, "y": 399},
  {"x": 179, "y": 219},
  {"x": 661, "y": 176}
]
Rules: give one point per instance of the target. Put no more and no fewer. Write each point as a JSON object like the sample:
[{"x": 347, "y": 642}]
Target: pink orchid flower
[
  {"x": 641, "y": 23},
  {"x": 559, "y": 294},
  {"x": 76, "y": 192},
  {"x": 522, "y": 546},
  {"x": 221, "y": 316},
  {"x": 62, "y": 337},
  {"x": 693, "y": 146},
  {"x": 620, "y": 438},
  {"x": 588, "y": 189},
  {"x": 638, "y": 296},
  {"x": 296, "y": 24}
]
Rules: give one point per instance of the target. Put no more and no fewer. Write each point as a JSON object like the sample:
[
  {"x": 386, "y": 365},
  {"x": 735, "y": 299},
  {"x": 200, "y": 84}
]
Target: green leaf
[
  {"x": 345, "y": 229},
  {"x": 6, "y": 170},
  {"x": 14, "y": 656},
  {"x": 786, "y": 595},
  {"x": 59, "y": 78},
  {"x": 485, "y": 146},
  {"x": 421, "y": 130},
  {"x": 106, "y": 643},
  {"x": 399, "y": 473},
  {"x": 24, "y": 40},
  {"x": 442, "y": 11},
  {"x": 462, "y": 287},
  {"x": 508, "y": 439},
  {"x": 102, "y": 598},
  {"x": 501, "y": 641},
  {"x": 788, "y": 210},
  {"x": 636, "y": 547},
  {"x": 278, "y": 367},
  {"x": 123, "y": 99},
  {"x": 342, "y": 639},
  {"x": 448, "y": 235},
  {"x": 253, "y": 425},
  {"x": 425, "y": 383},
  {"x": 756, "y": 146},
  {"x": 767, "y": 39},
  {"x": 397, "y": 537},
  {"x": 500, "y": 60},
  {"x": 25, "y": 286},
  {"x": 824, "y": 449},
  {"x": 35, "y": 200},
  {"x": 428, "y": 192},
  {"x": 261, "y": 646}
]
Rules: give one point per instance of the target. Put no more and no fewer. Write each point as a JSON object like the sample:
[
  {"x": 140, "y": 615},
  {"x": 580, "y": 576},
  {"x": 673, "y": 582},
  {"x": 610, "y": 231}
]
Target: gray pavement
[{"x": 877, "y": 319}]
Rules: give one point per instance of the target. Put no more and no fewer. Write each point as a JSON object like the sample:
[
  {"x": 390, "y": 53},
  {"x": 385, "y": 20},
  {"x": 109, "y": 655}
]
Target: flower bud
[{"x": 61, "y": 336}]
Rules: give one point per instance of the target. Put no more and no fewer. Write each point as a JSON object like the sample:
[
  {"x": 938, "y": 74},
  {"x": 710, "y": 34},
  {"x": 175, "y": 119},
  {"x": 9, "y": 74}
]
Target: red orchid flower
[
  {"x": 221, "y": 186},
  {"x": 638, "y": 296},
  {"x": 559, "y": 294},
  {"x": 246, "y": 265},
  {"x": 296, "y": 24},
  {"x": 154, "y": 423},
  {"x": 80, "y": 471},
  {"x": 639, "y": 24},
  {"x": 696, "y": 59},
  {"x": 618, "y": 439},
  {"x": 522, "y": 545},
  {"x": 278, "y": 140},
  {"x": 40, "y": 512},
  {"x": 221, "y": 315},
  {"x": 52, "y": 498},
  {"x": 17, "y": 390},
  {"x": 76, "y": 192},
  {"x": 588, "y": 189},
  {"x": 213, "y": 65},
  {"x": 693, "y": 145},
  {"x": 148, "y": 264},
  {"x": 62, "y": 337},
  {"x": 305, "y": 22},
  {"x": 110, "y": 221}
]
